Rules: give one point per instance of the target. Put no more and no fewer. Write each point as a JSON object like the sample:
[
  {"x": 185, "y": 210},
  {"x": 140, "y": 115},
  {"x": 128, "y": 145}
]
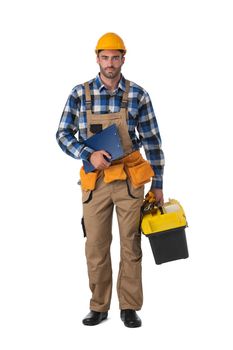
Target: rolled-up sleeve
[{"x": 150, "y": 136}]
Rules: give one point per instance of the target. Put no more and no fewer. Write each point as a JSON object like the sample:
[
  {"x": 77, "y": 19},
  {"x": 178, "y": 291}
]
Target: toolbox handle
[
  {"x": 161, "y": 210},
  {"x": 150, "y": 204}
]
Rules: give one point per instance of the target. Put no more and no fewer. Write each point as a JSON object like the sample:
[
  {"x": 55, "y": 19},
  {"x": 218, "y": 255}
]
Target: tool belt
[{"x": 133, "y": 166}]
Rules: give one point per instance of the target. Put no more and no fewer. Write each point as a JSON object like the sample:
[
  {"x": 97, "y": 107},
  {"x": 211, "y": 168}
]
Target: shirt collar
[{"x": 100, "y": 85}]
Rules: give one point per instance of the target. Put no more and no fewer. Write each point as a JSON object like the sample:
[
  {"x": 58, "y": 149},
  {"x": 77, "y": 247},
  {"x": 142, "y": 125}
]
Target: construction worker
[{"x": 91, "y": 107}]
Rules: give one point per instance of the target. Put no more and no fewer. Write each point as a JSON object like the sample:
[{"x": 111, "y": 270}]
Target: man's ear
[
  {"x": 97, "y": 59},
  {"x": 123, "y": 59}
]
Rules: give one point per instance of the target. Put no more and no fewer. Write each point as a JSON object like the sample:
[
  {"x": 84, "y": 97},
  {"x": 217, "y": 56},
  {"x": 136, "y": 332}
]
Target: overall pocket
[
  {"x": 133, "y": 192},
  {"x": 86, "y": 196}
]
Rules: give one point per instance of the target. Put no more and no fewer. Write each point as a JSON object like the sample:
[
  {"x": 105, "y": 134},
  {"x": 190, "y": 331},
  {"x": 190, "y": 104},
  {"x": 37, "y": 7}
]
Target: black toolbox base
[{"x": 169, "y": 245}]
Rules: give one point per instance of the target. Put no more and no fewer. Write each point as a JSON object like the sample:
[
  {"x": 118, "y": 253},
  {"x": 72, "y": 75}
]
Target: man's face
[{"x": 110, "y": 62}]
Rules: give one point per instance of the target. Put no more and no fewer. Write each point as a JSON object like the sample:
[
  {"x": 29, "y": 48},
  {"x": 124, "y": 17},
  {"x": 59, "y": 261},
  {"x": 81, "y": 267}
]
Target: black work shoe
[
  {"x": 130, "y": 318},
  {"x": 94, "y": 318}
]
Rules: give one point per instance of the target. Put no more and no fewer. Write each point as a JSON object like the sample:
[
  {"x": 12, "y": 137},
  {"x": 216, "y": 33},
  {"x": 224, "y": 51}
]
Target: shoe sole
[{"x": 132, "y": 326}]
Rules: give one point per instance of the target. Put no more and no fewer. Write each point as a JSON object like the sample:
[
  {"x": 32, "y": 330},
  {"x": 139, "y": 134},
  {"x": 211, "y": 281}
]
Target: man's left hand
[{"x": 158, "y": 193}]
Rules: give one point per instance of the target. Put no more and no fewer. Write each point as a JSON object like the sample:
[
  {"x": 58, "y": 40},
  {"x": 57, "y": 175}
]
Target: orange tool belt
[{"x": 133, "y": 166}]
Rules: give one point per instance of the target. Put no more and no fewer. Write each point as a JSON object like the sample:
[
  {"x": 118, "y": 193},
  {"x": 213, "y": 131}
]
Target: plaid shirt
[{"x": 141, "y": 118}]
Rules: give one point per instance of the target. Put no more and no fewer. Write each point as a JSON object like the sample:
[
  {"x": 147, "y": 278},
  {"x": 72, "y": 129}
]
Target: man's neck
[{"x": 110, "y": 84}]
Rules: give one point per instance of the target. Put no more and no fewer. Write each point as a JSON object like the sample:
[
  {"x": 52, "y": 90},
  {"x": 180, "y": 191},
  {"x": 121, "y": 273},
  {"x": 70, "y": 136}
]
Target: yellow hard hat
[{"x": 110, "y": 41}]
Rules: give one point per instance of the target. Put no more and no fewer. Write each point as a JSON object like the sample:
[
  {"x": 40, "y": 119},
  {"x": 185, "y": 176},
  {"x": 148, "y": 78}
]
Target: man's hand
[
  {"x": 158, "y": 193},
  {"x": 98, "y": 161}
]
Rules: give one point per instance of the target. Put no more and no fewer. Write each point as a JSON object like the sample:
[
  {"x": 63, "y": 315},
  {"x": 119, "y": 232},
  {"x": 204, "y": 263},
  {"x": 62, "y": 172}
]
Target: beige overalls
[{"x": 98, "y": 204}]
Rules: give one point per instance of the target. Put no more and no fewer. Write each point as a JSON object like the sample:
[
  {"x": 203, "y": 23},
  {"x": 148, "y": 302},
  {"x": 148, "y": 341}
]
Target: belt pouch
[
  {"x": 114, "y": 172},
  {"x": 140, "y": 174},
  {"x": 88, "y": 180}
]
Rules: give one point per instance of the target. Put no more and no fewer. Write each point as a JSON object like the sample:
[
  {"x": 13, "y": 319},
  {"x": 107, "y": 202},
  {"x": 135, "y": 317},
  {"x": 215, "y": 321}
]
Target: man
[{"x": 105, "y": 100}]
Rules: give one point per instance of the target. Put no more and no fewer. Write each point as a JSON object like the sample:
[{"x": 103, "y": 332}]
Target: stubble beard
[{"x": 110, "y": 74}]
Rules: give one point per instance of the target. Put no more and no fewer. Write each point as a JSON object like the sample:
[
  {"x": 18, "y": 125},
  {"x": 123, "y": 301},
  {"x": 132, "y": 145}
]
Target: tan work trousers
[{"x": 97, "y": 213}]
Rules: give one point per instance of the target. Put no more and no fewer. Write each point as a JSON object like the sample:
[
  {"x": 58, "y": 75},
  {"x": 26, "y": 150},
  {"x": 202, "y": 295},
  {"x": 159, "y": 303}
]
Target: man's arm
[
  {"x": 68, "y": 127},
  {"x": 151, "y": 140}
]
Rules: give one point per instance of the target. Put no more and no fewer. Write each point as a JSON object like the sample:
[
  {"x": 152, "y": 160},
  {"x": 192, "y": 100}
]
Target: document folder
[{"x": 109, "y": 140}]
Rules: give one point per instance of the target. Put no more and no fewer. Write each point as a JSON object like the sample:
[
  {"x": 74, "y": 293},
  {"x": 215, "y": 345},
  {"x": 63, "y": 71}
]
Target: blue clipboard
[{"x": 108, "y": 140}]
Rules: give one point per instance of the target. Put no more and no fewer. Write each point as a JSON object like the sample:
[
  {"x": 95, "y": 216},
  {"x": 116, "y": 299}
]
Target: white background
[{"x": 181, "y": 53}]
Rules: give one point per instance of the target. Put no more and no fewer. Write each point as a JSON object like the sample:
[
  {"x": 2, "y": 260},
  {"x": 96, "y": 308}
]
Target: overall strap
[
  {"x": 124, "y": 102},
  {"x": 88, "y": 96}
]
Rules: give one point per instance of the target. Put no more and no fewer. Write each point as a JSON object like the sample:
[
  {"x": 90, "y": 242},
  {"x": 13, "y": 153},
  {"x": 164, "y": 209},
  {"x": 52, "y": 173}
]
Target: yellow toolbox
[{"x": 165, "y": 228}]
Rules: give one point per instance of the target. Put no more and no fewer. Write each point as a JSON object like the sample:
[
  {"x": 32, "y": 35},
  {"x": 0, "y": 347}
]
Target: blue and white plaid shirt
[{"x": 141, "y": 119}]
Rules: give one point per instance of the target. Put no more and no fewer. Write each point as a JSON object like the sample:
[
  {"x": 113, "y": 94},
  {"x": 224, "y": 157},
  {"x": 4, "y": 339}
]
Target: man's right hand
[{"x": 98, "y": 161}]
